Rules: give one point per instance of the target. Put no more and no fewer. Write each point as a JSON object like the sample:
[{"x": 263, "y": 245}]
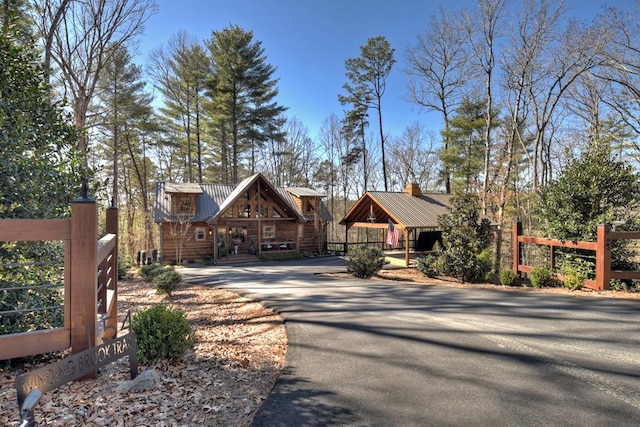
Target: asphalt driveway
[{"x": 376, "y": 353}]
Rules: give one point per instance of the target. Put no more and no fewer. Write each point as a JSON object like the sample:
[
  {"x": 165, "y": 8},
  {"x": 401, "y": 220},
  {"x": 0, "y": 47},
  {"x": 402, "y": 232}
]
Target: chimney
[{"x": 413, "y": 189}]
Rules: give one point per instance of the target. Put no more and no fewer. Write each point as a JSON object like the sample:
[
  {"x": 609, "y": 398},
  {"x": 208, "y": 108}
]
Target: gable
[
  {"x": 378, "y": 207},
  {"x": 255, "y": 197}
]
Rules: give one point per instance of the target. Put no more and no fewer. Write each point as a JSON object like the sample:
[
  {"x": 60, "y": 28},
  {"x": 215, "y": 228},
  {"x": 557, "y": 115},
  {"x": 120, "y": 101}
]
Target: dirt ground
[{"x": 240, "y": 348}]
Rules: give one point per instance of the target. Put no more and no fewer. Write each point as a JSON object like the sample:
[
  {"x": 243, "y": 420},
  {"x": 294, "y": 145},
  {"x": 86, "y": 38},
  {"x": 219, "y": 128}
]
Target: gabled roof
[
  {"x": 401, "y": 208},
  {"x": 244, "y": 186}
]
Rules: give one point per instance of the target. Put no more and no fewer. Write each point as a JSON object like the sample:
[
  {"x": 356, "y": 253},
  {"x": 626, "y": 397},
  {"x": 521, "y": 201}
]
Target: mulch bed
[{"x": 240, "y": 348}]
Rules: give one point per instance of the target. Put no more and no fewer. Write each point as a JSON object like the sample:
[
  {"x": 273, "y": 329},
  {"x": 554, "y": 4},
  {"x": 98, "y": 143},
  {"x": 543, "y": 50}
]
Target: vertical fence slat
[
  {"x": 517, "y": 231},
  {"x": 603, "y": 258}
]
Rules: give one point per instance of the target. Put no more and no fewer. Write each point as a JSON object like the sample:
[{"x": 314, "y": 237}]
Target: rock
[{"x": 146, "y": 380}]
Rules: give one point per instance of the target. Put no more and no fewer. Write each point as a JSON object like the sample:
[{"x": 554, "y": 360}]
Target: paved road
[{"x": 374, "y": 353}]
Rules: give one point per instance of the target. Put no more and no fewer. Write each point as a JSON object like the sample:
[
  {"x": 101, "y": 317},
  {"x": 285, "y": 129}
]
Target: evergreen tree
[
  {"x": 243, "y": 94},
  {"x": 465, "y": 240},
  {"x": 367, "y": 75},
  {"x": 39, "y": 168},
  {"x": 464, "y": 154},
  {"x": 180, "y": 74},
  {"x": 124, "y": 119},
  {"x": 592, "y": 190},
  {"x": 39, "y": 176}
]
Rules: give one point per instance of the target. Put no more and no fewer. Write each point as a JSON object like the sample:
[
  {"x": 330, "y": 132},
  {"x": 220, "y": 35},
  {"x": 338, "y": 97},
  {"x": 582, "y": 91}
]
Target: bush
[
  {"x": 161, "y": 334},
  {"x": 465, "y": 252},
  {"x": 541, "y": 277},
  {"x": 427, "y": 265},
  {"x": 284, "y": 256},
  {"x": 363, "y": 262},
  {"x": 575, "y": 271},
  {"x": 167, "y": 281},
  {"x": 509, "y": 278},
  {"x": 152, "y": 270}
]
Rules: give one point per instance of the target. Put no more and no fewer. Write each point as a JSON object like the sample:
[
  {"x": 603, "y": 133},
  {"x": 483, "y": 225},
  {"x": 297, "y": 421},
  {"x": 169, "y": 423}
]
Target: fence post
[
  {"x": 84, "y": 281},
  {"x": 517, "y": 231},
  {"x": 603, "y": 258},
  {"x": 112, "y": 315}
]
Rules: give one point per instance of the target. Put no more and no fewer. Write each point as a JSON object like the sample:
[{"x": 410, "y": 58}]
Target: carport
[{"x": 410, "y": 211}]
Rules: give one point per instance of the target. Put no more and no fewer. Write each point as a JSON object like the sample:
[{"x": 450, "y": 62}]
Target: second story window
[{"x": 184, "y": 204}]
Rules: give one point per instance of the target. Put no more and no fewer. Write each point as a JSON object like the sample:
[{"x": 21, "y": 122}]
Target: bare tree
[
  {"x": 414, "y": 158},
  {"x": 483, "y": 39},
  {"x": 440, "y": 69},
  {"x": 532, "y": 35},
  {"x": 80, "y": 36}
]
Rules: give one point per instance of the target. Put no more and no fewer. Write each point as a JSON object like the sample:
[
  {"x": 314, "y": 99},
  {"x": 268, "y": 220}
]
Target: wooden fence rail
[
  {"x": 90, "y": 280},
  {"x": 601, "y": 247}
]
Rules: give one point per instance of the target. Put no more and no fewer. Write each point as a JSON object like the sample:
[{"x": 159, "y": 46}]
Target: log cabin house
[{"x": 219, "y": 222}]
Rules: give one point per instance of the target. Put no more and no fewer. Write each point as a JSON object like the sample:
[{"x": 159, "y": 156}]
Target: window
[
  {"x": 269, "y": 232},
  {"x": 264, "y": 211},
  {"x": 184, "y": 204},
  {"x": 310, "y": 206},
  {"x": 200, "y": 234},
  {"x": 244, "y": 211}
]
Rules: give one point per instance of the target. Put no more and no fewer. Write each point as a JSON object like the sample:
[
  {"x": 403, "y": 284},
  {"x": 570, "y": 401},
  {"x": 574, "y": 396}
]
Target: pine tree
[
  {"x": 367, "y": 75},
  {"x": 243, "y": 107}
]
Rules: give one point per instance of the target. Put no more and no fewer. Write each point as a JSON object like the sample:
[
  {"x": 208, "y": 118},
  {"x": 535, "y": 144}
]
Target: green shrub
[
  {"x": 541, "y": 277},
  {"x": 150, "y": 271},
  {"x": 363, "y": 261},
  {"x": 509, "y": 278},
  {"x": 167, "y": 281},
  {"x": 427, "y": 265},
  {"x": 284, "y": 256},
  {"x": 575, "y": 271},
  {"x": 161, "y": 334}
]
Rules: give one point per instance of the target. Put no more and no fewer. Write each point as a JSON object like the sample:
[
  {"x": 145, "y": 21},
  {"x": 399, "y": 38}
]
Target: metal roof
[
  {"x": 209, "y": 201},
  {"x": 287, "y": 195},
  {"x": 401, "y": 208},
  {"x": 216, "y": 198}
]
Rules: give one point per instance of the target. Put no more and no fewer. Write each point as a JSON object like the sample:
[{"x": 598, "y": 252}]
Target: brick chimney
[{"x": 413, "y": 189}]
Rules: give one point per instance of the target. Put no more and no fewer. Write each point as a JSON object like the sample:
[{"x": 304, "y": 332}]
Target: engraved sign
[{"x": 77, "y": 366}]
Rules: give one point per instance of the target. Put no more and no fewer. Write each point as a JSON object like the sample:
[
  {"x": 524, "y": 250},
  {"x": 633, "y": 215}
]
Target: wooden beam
[
  {"x": 406, "y": 242},
  {"x": 369, "y": 225},
  {"x": 35, "y": 229}
]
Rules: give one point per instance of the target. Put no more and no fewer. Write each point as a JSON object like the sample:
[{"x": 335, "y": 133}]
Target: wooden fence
[
  {"x": 601, "y": 247},
  {"x": 90, "y": 280}
]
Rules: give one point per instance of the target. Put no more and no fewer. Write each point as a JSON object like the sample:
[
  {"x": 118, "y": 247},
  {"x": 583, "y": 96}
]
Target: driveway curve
[{"x": 376, "y": 353}]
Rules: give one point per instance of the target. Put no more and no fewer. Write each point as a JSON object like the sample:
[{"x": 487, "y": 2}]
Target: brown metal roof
[{"x": 401, "y": 208}]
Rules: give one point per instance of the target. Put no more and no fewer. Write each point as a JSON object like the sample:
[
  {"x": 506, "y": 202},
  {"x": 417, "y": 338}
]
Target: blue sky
[{"x": 308, "y": 42}]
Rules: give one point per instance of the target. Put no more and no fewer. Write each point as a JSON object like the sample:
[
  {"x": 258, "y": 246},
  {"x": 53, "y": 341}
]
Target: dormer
[
  {"x": 183, "y": 198},
  {"x": 307, "y": 200}
]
